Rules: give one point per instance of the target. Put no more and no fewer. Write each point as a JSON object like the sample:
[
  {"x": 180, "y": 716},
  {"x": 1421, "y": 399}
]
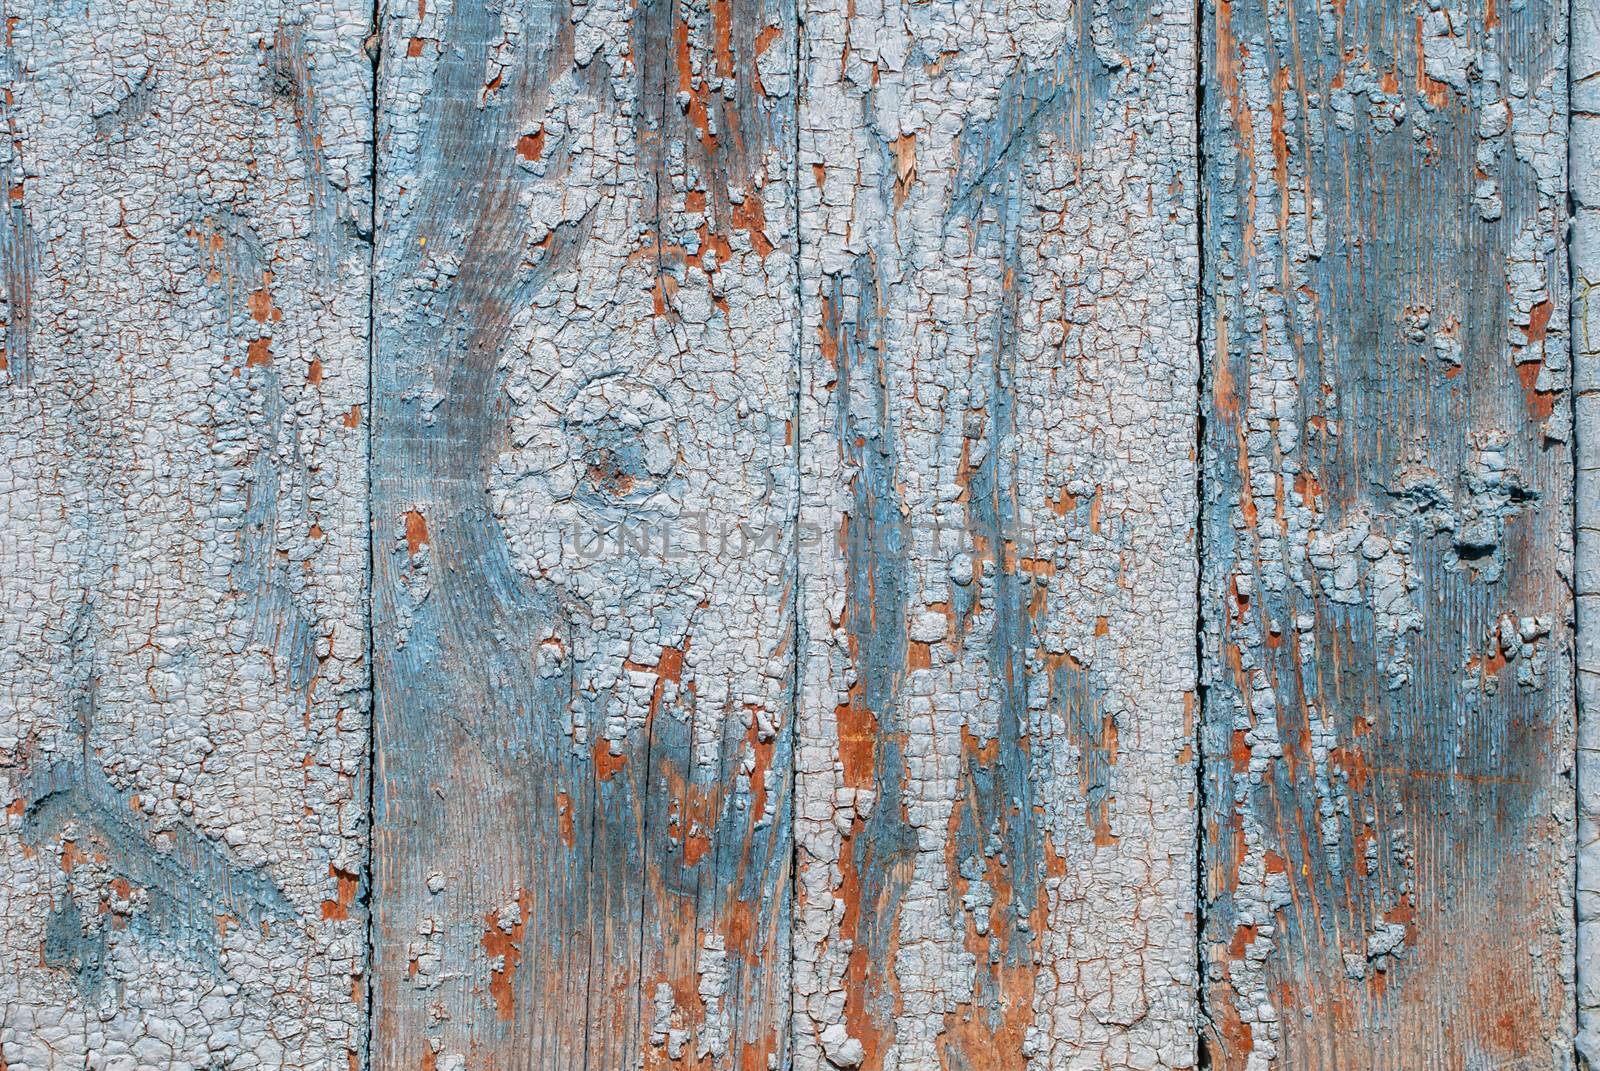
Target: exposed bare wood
[
  {"x": 1387, "y": 530},
  {"x": 583, "y": 539},
  {"x": 858, "y": 500}
]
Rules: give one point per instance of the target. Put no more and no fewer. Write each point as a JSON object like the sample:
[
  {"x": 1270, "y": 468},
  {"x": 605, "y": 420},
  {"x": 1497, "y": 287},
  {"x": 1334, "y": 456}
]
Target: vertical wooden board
[
  {"x": 183, "y": 730},
  {"x": 1583, "y": 167},
  {"x": 584, "y": 489},
  {"x": 1388, "y": 717},
  {"x": 995, "y": 806}
]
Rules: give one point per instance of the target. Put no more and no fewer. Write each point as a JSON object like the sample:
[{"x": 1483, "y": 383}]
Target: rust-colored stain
[
  {"x": 606, "y": 764},
  {"x": 531, "y": 146},
  {"x": 352, "y": 419},
  {"x": 698, "y": 95},
  {"x": 259, "y": 352},
  {"x": 344, "y": 894},
  {"x": 564, "y": 817},
  {"x": 1242, "y": 937},
  {"x": 828, "y": 333},
  {"x": 1353, "y": 763},
  {"x": 507, "y": 947},
  {"x": 761, "y": 750},
  {"x": 1541, "y": 403},
  {"x": 860, "y": 971},
  {"x": 72, "y": 855},
  {"x": 1240, "y": 752},
  {"x": 416, "y": 531},
  {"x": 990, "y": 1029},
  {"x": 695, "y": 845},
  {"x": 858, "y": 737},
  {"x": 1309, "y": 490},
  {"x": 260, "y": 302},
  {"x": 1438, "y": 93},
  {"x": 1280, "y": 144},
  {"x": 668, "y": 668},
  {"x": 722, "y": 36},
  {"x": 750, "y": 215}
]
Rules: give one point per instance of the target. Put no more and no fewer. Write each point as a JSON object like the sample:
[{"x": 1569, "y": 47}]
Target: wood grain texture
[
  {"x": 1388, "y": 716},
  {"x": 584, "y": 490},
  {"x": 1583, "y": 168},
  {"x": 183, "y": 687},
  {"x": 994, "y": 784}
]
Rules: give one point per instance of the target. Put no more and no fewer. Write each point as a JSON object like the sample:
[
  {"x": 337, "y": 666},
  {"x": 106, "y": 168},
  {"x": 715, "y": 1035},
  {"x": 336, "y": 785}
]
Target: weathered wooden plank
[
  {"x": 995, "y": 835},
  {"x": 1388, "y": 718},
  {"x": 1583, "y": 167},
  {"x": 584, "y": 470},
  {"x": 183, "y": 726}
]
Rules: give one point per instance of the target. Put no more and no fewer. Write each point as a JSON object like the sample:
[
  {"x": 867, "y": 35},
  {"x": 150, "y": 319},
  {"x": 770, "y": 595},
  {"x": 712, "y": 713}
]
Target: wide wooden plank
[
  {"x": 584, "y": 488},
  {"x": 995, "y": 783},
  {"x": 1388, "y": 717},
  {"x": 183, "y": 688}
]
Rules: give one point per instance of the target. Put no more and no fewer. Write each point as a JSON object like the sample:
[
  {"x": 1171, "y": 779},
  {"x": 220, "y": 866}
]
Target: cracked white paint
[
  {"x": 877, "y": 314},
  {"x": 998, "y": 266},
  {"x": 585, "y": 458},
  {"x": 1584, "y": 169},
  {"x": 183, "y": 729}
]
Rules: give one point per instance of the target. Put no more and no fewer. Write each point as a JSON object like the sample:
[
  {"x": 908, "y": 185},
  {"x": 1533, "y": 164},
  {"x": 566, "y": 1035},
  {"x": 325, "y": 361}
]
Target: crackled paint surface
[
  {"x": 183, "y": 728},
  {"x": 584, "y": 492},
  {"x": 1584, "y": 170},
  {"x": 994, "y": 783},
  {"x": 945, "y": 534},
  {"x": 1388, "y": 716}
]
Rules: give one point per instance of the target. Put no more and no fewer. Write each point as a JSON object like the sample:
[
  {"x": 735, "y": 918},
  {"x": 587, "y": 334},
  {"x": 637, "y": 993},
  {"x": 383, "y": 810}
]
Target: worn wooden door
[{"x": 766, "y": 534}]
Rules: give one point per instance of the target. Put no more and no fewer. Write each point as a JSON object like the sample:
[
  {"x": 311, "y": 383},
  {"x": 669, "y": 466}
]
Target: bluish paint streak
[
  {"x": 877, "y": 557},
  {"x": 190, "y": 881},
  {"x": 1057, "y": 100}
]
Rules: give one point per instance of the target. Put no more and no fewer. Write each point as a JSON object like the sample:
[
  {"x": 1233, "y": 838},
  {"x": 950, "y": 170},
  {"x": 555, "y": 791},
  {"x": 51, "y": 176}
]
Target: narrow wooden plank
[
  {"x": 1388, "y": 718},
  {"x": 584, "y": 491},
  {"x": 183, "y": 728},
  {"x": 995, "y": 784},
  {"x": 1583, "y": 167}
]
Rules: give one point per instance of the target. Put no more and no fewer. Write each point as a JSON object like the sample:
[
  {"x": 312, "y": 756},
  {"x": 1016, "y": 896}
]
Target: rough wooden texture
[
  {"x": 1387, "y": 724},
  {"x": 183, "y": 692},
  {"x": 994, "y": 812},
  {"x": 583, "y": 534},
  {"x": 1583, "y": 156},
  {"x": 814, "y": 449}
]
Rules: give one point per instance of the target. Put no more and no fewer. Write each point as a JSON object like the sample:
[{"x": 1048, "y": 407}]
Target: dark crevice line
[
  {"x": 1202, "y": 1016},
  {"x": 374, "y": 49},
  {"x": 1575, "y": 460},
  {"x": 798, "y": 638},
  {"x": 647, "y": 775}
]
